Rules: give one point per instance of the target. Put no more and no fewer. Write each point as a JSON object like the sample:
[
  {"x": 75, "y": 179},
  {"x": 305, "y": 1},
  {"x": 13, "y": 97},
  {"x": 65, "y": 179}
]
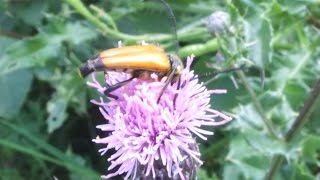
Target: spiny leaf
[{"x": 37, "y": 51}]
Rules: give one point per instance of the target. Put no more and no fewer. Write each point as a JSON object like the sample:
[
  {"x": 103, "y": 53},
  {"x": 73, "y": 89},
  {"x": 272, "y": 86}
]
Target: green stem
[
  {"x": 105, "y": 16},
  {"x": 193, "y": 34},
  {"x": 282, "y": 46},
  {"x": 194, "y": 24},
  {"x": 257, "y": 105},
  {"x": 275, "y": 164},
  {"x": 194, "y": 8},
  {"x": 297, "y": 125},
  {"x": 304, "y": 114},
  {"x": 199, "y": 49},
  {"x": 186, "y": 35},
  {"x": 80, "y": 8}
]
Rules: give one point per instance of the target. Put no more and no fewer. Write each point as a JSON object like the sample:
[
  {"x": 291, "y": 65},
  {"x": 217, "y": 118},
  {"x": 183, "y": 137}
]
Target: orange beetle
[{"x": 139, "y": 60}]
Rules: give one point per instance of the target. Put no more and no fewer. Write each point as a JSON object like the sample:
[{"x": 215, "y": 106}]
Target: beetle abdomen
[
  {"x": 149, "y": 61},
  {"x": 128, "y": 59}
]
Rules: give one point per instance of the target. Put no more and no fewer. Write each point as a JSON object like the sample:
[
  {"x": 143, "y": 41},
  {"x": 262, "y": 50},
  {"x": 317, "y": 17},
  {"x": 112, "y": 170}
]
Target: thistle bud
[{"x": 218, "y": 23}]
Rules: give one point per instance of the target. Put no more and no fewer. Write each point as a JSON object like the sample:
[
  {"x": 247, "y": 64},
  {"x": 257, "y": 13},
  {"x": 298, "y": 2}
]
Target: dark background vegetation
[{"x": 47, "y": 122}]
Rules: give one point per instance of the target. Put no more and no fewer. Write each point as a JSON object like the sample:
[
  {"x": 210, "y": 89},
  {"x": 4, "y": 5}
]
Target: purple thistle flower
[{"x": 156, "y": 139}]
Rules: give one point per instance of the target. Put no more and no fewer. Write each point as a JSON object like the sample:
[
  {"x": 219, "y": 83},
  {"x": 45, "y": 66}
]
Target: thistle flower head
[{"x": 156, "y": 139}]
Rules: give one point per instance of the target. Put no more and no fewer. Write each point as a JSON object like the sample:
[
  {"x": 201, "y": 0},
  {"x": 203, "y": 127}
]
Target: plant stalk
[
  {"x": 257, "y": 105},
  {"x": 297, "y": 125}
]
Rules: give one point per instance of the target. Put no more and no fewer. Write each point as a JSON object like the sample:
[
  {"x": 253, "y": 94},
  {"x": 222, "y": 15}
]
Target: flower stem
[
  {"x": 304, "y": 114},
  {"x": 257, "y": 105},
  {"x": 80, "y": 8},
  {"x": 105, "y": 16},
  {"x": 275, "y": 164},
  {"x": 299, "y": 122},
  {"x": 199, "y": 49},
  {"x": 191, "y": 33}
]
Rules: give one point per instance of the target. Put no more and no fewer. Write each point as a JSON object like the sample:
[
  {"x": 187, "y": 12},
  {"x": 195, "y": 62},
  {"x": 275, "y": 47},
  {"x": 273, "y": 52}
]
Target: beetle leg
[
  {"x": 112, "y": 96},
  {"x": 166, "y": 83},
  {"x": 116, "y": 86},
  {"x": 175, "y": 96},
  {"x": 108, "y": 94}
]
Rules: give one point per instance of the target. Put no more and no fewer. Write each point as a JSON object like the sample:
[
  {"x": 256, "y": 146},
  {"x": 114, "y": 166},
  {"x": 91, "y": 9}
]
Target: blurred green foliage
[{"x": 47, "y": 122}]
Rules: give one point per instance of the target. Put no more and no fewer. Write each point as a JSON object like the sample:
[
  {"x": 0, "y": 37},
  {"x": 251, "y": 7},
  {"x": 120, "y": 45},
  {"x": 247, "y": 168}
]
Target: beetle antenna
[
  {"x": 212, "y": 74},
  {"x": 173, "y": 22}
]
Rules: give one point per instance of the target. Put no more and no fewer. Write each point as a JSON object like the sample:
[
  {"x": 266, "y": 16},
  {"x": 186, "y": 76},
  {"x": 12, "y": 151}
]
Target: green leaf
[
  {"x": 311, "y": 149},
  {"x": 13, "y": 91},
  {"x": 56, "y": 108},
  {"x": 301, "y": 172},
  {"x": 50, "y": 154},
  {"x": 245, "y": 161},
  {"x": 202, "y": 174},
  {"x": 31, "y": 52},
  {"x": 259, "y": 33},
  {"x": 265, "y": 35},
  {"x": 3, "y": 4},
  {"x": 74, "y": 33},
  {"x": 296, "y": 93},
  {"x": 297, "y": 7},
  {"x": 233, "y": 11},
  {"x": 67, "y": 87},
  {"x": 270, "y": 100},
  {"x": 5, "y": 42},
  {"x": 46, "y": 47},
  {"x": 31, "y": 12},
  {"x": 10, "y": 173},
  {"x": 231, "y": 172}
]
